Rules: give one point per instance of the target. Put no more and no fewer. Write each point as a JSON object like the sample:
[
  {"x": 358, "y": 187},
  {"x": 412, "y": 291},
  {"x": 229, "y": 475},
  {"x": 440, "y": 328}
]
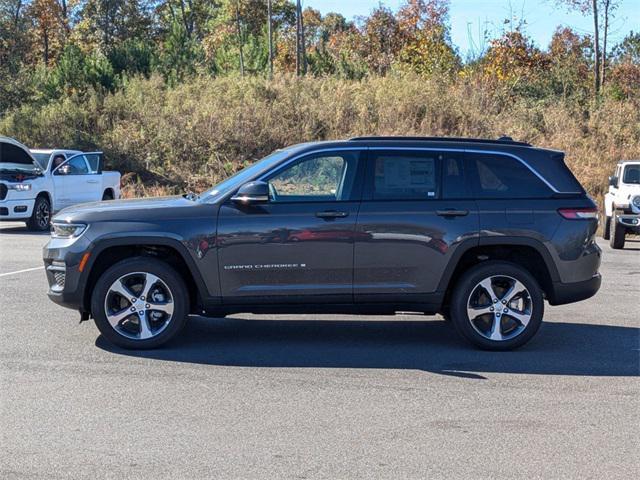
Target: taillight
[{"x": 578, "y": 213}]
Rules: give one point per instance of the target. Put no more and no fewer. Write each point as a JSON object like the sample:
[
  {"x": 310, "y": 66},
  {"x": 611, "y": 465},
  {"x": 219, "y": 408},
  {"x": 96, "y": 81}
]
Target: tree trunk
[
  {"x": 303, "y": 45},
  {"x": 298, "y": 63},
  {"x": 270, "y": 34},
  {"x": 596, "y": 37},
  {"x": 240, "y": 42},
  {"x": 605, "y": 35},
  {"x": 45, "y": 46}
]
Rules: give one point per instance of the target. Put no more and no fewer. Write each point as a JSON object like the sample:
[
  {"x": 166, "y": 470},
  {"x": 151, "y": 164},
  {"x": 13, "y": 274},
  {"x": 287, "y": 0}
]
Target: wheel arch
[
  {"x": 111, "y": 191},
  {"x": 109, "y": 251},
  {"x": 528, "y": 253}
]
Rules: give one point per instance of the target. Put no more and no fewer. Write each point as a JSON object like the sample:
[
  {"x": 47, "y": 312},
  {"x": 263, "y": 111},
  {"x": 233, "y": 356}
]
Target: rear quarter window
[{"x": 500, "y": 176}]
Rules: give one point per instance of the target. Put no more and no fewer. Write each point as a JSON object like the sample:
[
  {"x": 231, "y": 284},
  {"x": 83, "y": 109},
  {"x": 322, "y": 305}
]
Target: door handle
[
  {"x": 451, "y": 212},
  {"x": 92, "y": 181},
  {"x": 331, "y": 214}
]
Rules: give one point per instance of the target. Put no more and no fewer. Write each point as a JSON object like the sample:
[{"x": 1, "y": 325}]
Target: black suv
[{"x": 480, "y": 231}]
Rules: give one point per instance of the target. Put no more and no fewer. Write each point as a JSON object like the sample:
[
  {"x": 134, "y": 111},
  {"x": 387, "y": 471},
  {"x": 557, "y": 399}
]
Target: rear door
[
  {"x": 298, "y": 247},
  {"x": 416, "y": 211}
]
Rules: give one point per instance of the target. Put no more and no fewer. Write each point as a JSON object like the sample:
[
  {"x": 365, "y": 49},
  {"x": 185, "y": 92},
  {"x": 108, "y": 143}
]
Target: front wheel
[
  {"x": 140, "y": 303},
  {"x": 606, "y": 230},
  {"x": 41, "y": 216},
  {"x": 497, "y": 306},
  {"x": 618, "y": 232}
]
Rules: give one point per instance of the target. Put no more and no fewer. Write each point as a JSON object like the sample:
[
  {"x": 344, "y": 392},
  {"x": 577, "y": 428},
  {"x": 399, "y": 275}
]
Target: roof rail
[{"x": 499, "y": 141}]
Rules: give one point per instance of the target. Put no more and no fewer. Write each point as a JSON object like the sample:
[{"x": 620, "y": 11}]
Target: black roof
[{"x": 499, "y": 141}]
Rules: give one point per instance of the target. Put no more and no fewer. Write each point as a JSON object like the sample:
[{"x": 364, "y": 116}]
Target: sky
[{"x": 469, "y": 18}]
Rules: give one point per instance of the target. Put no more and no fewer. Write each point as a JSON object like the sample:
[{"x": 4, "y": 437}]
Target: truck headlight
[
  {"x": 20, "y": 187},
  {"x": 67, "y": 230},
  {"x": 636, "y": 201}
]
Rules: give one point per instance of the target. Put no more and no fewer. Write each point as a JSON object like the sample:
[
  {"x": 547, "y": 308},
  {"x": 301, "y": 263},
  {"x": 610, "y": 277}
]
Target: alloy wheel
[
  {"x": 43, "y": 214},
  {"x": 139, "y": 305},
  {"x": 499, "y": 308}
]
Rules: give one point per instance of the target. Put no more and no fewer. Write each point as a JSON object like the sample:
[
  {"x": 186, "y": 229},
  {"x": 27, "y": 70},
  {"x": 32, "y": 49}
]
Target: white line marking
[{"x": 21, "y": 271}]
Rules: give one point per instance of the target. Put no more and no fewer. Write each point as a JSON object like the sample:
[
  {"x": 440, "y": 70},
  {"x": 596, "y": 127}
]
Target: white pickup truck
[
  {"x": 35, "y": 184},
  {"x": 622, "y": 204}
]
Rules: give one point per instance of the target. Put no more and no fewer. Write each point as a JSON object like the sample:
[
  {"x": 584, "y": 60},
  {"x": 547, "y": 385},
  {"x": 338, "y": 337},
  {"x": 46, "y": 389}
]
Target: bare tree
[
  {"x": 270, "y": 35},
  {"x": 596, "y": 44},
  {"x": 298, "y": 33},
  {"x": 240, "y": 40}
]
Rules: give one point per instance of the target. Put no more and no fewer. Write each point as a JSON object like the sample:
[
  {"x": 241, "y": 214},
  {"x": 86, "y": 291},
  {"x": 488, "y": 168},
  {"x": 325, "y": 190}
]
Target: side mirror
[
  {"x": 252, "y": 193},
  {"x": 613, "y": 181}
]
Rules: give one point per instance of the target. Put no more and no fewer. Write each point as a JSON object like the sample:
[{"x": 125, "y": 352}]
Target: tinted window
[
  {"x": 10, "y": 153},
  {"x": 631, "y": 174},
  {"x": 499, "y": 176},
  {"x": 453, "y": 182},
  {"x": 328, "y": 177},
  {"x": 404, "y": 176},
  {"x": 94, "y": 161}
]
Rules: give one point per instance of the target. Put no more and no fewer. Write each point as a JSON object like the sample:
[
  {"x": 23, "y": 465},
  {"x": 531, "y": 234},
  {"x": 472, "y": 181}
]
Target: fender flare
[{"x": 150, "y": 238}]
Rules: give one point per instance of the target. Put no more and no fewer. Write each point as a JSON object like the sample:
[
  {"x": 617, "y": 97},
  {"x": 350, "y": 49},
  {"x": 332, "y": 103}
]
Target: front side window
[
  {"x": 499, "y": 176},
  {"x": 631, "y": 174},
  {"x": 404, "y": 176},
  {"x": 75, "y": 166},
  {"x": 326, "y": 177}
]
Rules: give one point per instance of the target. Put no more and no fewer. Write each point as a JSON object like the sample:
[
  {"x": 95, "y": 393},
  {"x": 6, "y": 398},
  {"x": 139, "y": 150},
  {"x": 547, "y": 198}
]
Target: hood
[{"x": 133, "y": 210}]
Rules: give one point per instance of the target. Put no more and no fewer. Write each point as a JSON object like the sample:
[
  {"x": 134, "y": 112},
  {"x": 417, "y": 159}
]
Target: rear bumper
[{"x": 563, "y": 293}]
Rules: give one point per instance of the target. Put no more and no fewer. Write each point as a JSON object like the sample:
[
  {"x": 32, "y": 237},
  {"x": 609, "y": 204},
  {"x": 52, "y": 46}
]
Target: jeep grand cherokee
[{"x": 480, "y": 231}]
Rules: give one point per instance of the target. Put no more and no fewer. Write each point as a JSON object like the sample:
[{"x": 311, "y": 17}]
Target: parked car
[
  {"x": 622, "y": 204},
  {"x": 34, "y": 184},
  {"x": 481, "y": 231}
]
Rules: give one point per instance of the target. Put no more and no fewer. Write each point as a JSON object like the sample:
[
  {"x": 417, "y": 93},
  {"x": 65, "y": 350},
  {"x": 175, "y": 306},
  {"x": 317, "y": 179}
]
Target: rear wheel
[
  {"x": 140, "y": 303},
  {"x": 41, "y": 216},
  {"x": 618, "y": 232},
  {"x": 497, "y": 306},
  {"x": 606, "y": 230}
]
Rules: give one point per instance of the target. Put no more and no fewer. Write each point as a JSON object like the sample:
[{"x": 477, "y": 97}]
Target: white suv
[{"x": 622, "y": 204}]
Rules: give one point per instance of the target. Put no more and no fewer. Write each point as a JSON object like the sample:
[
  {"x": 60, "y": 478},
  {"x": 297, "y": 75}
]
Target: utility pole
[
  {"x": 303, "y": 45},
  {"x": 270, "y": 34}
]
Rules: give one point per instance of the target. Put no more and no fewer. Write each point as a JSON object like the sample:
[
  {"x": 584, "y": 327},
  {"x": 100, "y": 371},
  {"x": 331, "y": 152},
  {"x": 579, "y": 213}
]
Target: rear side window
[
  {"x": 499, "y": 176},
  {"x": 404, "y": 176},
  {"x": 453, "y": 180}
]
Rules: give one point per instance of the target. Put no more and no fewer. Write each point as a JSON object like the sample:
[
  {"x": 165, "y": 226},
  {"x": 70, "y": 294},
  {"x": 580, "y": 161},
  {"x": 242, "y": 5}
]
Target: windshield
[
  {"x": 244, "y": 175},
  {"x": 632, "y": 174},
  {"x": 42, "y": 159}
]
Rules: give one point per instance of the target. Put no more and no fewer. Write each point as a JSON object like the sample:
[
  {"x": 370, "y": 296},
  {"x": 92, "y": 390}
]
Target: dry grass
[{"x": 192, "y": 136}]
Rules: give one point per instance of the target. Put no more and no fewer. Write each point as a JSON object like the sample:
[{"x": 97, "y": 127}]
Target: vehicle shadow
[
  {"x": 21, "y": 230},
  {"x": 432, "y": 346}
]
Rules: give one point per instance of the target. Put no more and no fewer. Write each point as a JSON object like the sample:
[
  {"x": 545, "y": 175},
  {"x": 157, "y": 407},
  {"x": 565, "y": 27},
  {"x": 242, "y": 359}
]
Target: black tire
[
  {"x": 40, "y": 220},
  {"x": 606, "y": 229},
  {"x": 107, "y": 195},
  {"x": 166, "y": 274},
  {"x": 617, "y": 234},
  {"x": 466, "y": 286}
]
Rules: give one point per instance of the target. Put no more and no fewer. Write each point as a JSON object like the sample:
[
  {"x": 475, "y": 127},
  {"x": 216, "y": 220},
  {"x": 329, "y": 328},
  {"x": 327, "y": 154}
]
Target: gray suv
[{"x": 479, "y": 231}]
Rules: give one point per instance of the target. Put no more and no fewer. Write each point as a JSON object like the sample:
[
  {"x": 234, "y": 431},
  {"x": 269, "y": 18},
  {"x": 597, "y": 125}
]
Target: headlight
[
  {"x": 20, "y": 187},
  {"x": 67, "y": 230},
  {"x": 636, "y": 201}
]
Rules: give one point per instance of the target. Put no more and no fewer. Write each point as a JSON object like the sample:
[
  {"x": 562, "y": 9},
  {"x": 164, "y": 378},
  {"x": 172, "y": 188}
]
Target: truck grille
[{"x": 3, "y": 191}]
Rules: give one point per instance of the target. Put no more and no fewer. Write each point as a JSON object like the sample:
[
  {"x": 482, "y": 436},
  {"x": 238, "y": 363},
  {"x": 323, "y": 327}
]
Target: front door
[
  {"x": 298, "y": 247},
  {"x": 416, "y": 211},
  {"x": 74, "y": 182}
]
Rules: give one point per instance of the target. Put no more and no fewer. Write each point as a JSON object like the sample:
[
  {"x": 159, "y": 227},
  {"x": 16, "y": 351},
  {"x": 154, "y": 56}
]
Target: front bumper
[
  {"x": 16, "y": 209},
  {"x": 563, "y": 293},
  {"x": 629, "y": 220},
  {"x": 66, "y": 282}
]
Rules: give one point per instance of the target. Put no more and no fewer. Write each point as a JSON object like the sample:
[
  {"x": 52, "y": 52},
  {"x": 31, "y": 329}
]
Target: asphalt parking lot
[{"x": 317, "y": 397}]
